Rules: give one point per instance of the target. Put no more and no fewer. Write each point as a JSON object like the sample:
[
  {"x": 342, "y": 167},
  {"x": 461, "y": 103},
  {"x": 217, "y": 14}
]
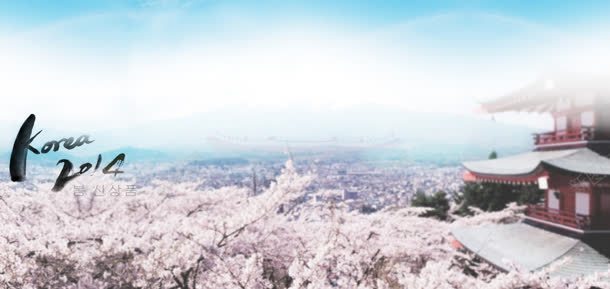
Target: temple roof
[
  {"x": 582, "y": 160},
  {"x": 544, "y": 94},
  {"x": 531, "y": 248}
]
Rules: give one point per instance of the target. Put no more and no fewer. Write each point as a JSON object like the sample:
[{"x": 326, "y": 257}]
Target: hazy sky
[{"x": 109, "y": 63}]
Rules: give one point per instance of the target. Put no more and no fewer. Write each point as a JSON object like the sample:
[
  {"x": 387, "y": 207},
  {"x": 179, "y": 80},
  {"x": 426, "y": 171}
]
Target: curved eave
[
  {"x": 532, "y": 98},
  {"x": 530, "y": 177},
  {"x": 526, "y": 165},
  {"x": 543, "y": 95},
  {"x": 576, "y": 172},
  {"x": 520, "y": 173},
  {"x": 584, "y": 161},
  {"x": 519, "y": 107}
]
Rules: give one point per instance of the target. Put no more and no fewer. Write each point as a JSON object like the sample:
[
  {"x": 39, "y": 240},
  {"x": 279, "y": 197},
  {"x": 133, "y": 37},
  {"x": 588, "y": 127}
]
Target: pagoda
[{"x": 570, "y": 165}]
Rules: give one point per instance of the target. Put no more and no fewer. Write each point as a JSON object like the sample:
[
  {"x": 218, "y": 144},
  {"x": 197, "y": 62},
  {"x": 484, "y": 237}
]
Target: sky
[{"x": 106, "y": 64}]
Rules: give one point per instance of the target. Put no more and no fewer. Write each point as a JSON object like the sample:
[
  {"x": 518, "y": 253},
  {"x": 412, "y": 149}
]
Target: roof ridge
[{"x": 569, "y": 152}]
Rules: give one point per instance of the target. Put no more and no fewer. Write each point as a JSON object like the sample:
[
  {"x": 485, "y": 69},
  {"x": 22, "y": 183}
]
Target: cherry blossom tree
[{"x": 173, "y": 235}]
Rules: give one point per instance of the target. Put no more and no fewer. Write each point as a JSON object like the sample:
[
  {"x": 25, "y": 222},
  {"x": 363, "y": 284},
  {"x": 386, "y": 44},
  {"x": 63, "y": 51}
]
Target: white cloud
[{"x": 111, "y": 81}]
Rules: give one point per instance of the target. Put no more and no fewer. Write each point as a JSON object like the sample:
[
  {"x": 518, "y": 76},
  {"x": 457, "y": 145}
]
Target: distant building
[{"x": 350, "y": 195}]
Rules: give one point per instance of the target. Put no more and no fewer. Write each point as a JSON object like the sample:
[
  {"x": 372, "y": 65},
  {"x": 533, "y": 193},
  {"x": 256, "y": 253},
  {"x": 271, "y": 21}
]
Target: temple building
[{"x": 569, "y": 164}]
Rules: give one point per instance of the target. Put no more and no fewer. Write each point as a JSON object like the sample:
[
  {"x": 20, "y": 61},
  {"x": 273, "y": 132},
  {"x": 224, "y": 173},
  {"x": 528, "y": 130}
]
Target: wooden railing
[
  {"x": 564, "y": 218},
  {"x": 553, "y": 137}
]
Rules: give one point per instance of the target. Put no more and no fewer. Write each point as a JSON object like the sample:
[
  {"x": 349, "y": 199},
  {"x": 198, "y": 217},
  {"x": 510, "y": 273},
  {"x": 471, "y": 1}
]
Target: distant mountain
[
  {"x": 133, "y": 154},
  {"x": 366, "y": 131},
  {"x": 49, "y": 158},
  {"x": 301, "y": 126}
]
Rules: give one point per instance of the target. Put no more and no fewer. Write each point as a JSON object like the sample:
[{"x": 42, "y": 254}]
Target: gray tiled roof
[
  {"x": 531, "y": 248},
  {"x": 581, "y": 160},
  {"x": 583, "y": 260}
]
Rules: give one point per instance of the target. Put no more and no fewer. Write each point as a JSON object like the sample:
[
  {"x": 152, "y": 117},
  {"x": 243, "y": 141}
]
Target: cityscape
[{"x": 362, "y": 184}]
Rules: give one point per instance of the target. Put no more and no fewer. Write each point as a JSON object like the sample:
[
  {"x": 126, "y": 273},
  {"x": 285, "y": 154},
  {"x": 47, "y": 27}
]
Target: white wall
[
  {"x": 553, "y": 201},
  {"x": 582, "y": 204}
]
